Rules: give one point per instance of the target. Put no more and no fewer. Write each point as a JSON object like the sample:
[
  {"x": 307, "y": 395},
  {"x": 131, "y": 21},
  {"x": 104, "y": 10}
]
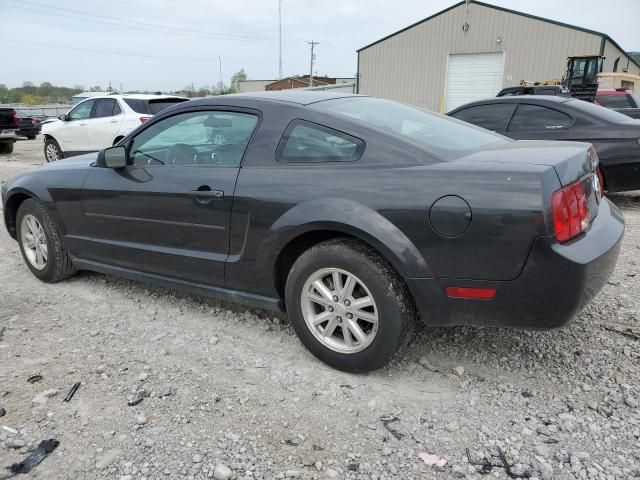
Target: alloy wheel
[
  {"x": 52, "y": 153},
  {"x": 34, "y": 242},
  {"x": 339, "y": 310}
]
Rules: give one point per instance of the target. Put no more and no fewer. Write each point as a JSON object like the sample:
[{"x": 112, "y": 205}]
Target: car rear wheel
[
  {"x": 52, "y": 150},
  {"x": 6, "y": 147},
  {"x": 40, "y": 243},
  {"x": 348, "y": 306}
]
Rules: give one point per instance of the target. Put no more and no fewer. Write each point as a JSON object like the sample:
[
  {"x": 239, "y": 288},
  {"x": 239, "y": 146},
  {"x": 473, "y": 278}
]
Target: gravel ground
[{"x": 226, "y": 392}]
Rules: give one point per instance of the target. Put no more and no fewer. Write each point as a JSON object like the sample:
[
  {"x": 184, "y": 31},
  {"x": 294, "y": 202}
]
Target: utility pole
[
  {"x": 220, "y": 62},
  {"x": 280, "y": 37},
  {"x": 121, "y": 90},
  {"x": 313, "y": 57}
]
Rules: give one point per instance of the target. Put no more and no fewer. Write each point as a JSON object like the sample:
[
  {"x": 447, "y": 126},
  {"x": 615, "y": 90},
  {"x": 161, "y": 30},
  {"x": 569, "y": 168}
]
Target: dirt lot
[{"x": 231, "y": 393}]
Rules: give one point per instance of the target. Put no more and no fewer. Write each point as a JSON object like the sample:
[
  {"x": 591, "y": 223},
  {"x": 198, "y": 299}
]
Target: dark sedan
[
  {"x": 615, "y": 136},
  {"x": 355, "y": 215}
]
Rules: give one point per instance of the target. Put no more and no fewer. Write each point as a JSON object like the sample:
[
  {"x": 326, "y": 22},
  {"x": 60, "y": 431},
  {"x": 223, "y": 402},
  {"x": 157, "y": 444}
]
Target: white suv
[{"x": 99, "y": 122}]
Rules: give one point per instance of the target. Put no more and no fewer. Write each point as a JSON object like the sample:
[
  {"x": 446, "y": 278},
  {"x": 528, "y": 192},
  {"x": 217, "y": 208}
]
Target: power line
[
  {"x": 123, "y": 22},
  {"x": 164, "y": 29},
  {"x": 111, "y": 52}
]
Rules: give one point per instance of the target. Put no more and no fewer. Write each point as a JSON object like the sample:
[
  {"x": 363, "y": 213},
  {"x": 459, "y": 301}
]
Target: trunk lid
[{"x": 571, "y": 160}]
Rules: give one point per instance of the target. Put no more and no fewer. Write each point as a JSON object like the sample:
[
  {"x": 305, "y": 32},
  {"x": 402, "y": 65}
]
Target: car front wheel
[
  {"x": 40, "y": 243},
  {"x": 348, "y": 306},
  {"x": 52, "y": 151}
]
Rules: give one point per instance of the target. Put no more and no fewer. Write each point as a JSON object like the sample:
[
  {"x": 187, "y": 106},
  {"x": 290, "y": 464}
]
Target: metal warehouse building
[{"x": 471, "y": 51}]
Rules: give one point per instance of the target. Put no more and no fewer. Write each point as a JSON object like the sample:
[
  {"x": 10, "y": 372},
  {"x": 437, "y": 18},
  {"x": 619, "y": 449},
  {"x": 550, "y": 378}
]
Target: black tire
[
  {"x": 58, "y": 266},
  {"x": 395, "y": 308},
  {"x": 6, "y": 148},
  {"x": 51, "y": 146}
]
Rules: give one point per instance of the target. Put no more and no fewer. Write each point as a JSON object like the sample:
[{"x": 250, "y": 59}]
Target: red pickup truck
[
  {"x": 620, "y": 100},
  {"x": 9, "y": 124}
]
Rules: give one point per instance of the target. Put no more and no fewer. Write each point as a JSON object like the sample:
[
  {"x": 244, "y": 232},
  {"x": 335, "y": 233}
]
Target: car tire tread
[
  {"x": 59, "y": 265},
  {"x": 392, "y": 296}
]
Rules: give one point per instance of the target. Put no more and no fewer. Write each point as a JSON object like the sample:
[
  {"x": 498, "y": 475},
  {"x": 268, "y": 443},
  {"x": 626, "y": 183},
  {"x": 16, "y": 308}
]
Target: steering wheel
[{"x": 180, "y": 154}]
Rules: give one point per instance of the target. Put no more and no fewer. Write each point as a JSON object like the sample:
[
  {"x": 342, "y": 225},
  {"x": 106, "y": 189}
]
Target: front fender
[{"x": 348, "y": 217}]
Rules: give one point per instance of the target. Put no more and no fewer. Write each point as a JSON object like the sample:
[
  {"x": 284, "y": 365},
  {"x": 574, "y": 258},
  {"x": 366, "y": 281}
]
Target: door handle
[
  {"x": 82, "y": 124},
  {"x": 204, "y": 195},
  {"x": 113, "y": 121}
]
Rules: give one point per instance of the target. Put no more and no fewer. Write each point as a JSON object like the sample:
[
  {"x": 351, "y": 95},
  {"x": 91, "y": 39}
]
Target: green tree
[{"x": 236, "y": 78}]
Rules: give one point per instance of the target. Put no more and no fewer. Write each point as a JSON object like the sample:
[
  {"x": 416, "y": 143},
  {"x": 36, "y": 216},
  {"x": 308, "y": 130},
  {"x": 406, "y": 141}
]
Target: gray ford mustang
[{"x": 355, "y": 215}]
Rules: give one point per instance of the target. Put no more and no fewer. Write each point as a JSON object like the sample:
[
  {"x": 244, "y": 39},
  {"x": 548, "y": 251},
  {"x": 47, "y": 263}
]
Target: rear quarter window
[
  {"x": 308, "y": 142},
  {"x": 533, "y": 118}
]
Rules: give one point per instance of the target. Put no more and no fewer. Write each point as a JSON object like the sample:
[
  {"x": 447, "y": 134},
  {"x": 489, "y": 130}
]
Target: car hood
[{"x": 570, "y": 159}]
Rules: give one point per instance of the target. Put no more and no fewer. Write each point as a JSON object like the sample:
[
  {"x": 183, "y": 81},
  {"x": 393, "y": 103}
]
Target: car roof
[
  {"x": 135, "y": 96},
  {"x": 299, "y": 96},
  {"x": 542, "y": 99}
]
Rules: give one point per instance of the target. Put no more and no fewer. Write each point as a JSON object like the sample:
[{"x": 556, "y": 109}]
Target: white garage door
[{"x": 473, "y": 77}]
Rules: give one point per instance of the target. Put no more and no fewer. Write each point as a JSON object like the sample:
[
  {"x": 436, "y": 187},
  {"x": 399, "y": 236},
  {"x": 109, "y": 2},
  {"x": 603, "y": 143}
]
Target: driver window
[
  {"x": 212, "y": 138},
  {"x": 82, "y": 111}
]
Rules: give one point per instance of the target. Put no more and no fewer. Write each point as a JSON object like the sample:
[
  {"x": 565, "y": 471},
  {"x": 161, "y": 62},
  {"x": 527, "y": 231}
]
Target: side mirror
[
  {"x": 63, "y": 117},
  {"x": 112, "y": 157}
]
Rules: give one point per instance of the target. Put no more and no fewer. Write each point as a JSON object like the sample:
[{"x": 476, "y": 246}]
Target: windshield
[{"x": 435, "y": 132}]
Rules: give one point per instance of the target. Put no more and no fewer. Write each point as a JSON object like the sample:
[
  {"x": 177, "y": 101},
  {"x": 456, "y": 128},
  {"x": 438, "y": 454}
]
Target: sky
[{"x": 166, "y": 45}]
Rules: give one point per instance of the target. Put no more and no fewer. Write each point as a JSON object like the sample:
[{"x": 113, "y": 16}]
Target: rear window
[
  {"x": 600, "y": 112},
  {"x": 152, "y": 106},
  {"x": 437, "y": 133},
  {"x": 615, "y": 101}
]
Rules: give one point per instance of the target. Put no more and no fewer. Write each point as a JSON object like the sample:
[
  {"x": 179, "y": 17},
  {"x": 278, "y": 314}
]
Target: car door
[
  {"x": 537, "y": 122},
  {"x": 104, "y": 125},
  {"x": 493, "y": 116},
  {"x": 168, "y": 211},
  {"x": 73, "y": 134}
]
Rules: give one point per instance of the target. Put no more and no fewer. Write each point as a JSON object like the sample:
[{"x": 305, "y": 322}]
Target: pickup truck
[
  {"x": 9, "y": 123},
  {"x": 620, "y": 100}
]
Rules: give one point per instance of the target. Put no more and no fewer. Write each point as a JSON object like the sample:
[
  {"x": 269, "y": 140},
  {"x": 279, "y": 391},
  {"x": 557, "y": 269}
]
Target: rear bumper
[
  {"x": 8, "y": 136},
  {"x": 556, "y": 282}
]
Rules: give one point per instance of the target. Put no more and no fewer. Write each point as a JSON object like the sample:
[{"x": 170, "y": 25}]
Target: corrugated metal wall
[
  {"x": 612, "y": 52},
  {"x": 411, "y": 66}
]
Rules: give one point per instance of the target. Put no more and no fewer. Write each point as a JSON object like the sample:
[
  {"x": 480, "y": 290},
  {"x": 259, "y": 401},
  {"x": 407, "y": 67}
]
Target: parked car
[
  {"x": 9, "y": 122},
  {"x": 615, "y": 137},
  {"x": 353, "y": 214},
  {"x": 28, "y": 126},
  {"x": 619, "y": 99},
  {"x": 99, "y": 122},
  {"x": 558, "y": 90}
]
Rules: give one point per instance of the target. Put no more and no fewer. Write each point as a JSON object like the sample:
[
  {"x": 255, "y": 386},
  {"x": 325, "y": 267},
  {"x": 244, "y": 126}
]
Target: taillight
[
  {"x": 34, "y": 122},
  {"x": 638, "y": 141},
  {"x": 600, "y": 180},
  {"x": 570, "y": 212},
  {"x": 144, "y": 119},
  {"x": 16, "y": 119}
]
